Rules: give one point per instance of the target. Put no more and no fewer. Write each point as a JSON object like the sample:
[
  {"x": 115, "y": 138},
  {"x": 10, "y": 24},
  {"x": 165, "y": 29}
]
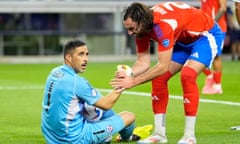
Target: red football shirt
[
  {"x": 211, "y": 7},
  {"x": 175, "y": 22}
]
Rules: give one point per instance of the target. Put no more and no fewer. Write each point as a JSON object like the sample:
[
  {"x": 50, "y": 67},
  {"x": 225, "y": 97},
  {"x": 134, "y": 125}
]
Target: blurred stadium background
[{"x": 31, "y": 29}]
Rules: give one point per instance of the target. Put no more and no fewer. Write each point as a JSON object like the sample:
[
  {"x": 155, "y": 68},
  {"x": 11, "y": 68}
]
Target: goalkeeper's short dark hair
[{"x": 71, "y": 45}]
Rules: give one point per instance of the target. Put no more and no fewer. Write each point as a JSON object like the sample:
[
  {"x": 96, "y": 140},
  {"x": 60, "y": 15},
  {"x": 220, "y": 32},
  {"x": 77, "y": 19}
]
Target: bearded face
[{"x": 135, "y": 29}]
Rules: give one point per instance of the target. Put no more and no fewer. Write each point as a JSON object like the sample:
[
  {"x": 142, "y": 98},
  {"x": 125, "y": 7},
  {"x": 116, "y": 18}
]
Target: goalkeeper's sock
[
  {"x": 127, "y": 132},
  {"x": 159, "y": 123}
]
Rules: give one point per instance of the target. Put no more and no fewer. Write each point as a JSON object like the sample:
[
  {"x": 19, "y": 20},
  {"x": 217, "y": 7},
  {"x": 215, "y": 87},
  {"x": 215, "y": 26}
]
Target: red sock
[
  {"x": 190, "y": 91},
  {"x": 217, "y": 76},
  {"x": 160, "y": 93},
  {"x": 207, "y": 72}
]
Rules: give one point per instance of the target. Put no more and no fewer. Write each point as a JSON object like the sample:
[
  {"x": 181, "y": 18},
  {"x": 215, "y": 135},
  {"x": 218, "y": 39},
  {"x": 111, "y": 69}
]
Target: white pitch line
[
  {"x": 125, "y": 92},
  {"x": 178, "y": 97}
]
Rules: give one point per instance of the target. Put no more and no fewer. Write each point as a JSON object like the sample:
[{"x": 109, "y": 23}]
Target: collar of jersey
[{"x": 68, "y": 69}]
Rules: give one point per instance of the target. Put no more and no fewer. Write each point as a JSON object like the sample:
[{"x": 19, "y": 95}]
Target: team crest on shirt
[
  {"x": 109, "y": 129},
  {"x": 165, "y": 42}
]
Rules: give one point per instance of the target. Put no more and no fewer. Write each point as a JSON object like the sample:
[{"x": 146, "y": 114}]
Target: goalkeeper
[{"x": 64, "y": 97}]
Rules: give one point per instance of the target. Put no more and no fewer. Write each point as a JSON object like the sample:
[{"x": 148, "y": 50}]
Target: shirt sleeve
[
  {"x": 164, "y": 35},
  {"x": 86, "y": 92}
]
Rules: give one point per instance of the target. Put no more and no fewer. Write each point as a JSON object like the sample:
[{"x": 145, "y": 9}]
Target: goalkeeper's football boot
[
  {"x": 139, "y": 132},
  {"x": 153, "y": 139},
  {"x": 131, "y": 138},
  {"x": 187, "y": 140}
]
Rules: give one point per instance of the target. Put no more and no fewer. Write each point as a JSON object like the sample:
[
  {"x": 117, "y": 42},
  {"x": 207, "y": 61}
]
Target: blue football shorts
[{"x": 202, "y": 50}]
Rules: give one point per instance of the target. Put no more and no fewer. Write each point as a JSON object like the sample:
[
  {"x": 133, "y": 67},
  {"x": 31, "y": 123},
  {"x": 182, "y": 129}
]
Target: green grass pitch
[{"x": 21, "y": 90}]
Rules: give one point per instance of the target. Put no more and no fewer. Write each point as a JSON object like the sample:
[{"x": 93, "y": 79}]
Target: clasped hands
[{"x": 122, "y": 81}]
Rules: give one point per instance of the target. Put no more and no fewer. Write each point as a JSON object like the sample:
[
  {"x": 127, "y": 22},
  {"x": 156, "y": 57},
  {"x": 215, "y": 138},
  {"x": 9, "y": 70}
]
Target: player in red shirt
[
  {"x": 188, "y": 40},
  {"x": 216, "y": 9}
]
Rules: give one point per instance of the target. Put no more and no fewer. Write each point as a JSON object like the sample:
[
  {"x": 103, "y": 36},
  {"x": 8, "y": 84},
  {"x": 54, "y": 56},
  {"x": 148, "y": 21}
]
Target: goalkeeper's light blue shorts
[{"x": 97, "y": 132}]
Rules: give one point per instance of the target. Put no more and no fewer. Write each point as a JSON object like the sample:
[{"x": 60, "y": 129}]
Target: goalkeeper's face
[{"x": 78, "y": 59}]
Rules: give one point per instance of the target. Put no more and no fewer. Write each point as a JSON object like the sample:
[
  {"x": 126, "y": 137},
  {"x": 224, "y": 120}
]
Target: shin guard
[
  {"x": 190, "y": 91},
  {"x": 160, "y": 93}
]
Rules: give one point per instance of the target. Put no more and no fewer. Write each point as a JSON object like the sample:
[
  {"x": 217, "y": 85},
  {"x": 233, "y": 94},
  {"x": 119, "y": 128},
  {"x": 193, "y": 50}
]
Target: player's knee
[
  {"x": 188, "y": 75},
  {"x": 160, "y": 83},
  {"x": 162, "y": 78},
  {"x": 128, "y": 117}
]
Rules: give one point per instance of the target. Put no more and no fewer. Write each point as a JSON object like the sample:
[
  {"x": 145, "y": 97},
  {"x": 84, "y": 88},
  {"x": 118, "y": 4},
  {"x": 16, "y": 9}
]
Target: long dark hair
[{"x": 141, "y": 14}]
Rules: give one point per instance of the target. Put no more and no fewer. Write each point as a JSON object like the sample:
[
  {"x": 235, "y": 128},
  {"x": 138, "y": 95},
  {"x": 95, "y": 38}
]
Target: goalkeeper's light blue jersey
[{"x": 64, "y": 94}]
